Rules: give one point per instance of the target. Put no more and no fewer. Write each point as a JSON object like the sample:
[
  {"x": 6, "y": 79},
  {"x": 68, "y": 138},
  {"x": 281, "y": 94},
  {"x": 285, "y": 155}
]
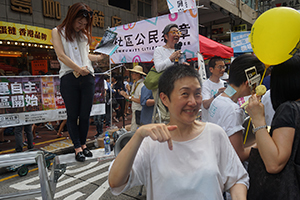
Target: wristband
[
  {"x": 258, "y": 128},
  {"x": 215, "y": 96}
]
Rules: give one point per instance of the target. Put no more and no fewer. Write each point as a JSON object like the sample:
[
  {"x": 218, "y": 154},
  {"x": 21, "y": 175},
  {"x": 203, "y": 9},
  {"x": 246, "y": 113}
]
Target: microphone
[{"x": 177, "y": 46}]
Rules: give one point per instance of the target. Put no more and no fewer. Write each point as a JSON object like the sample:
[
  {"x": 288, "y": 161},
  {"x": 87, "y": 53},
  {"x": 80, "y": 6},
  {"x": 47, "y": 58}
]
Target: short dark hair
[
  {"x": 213, "y": 60},
  {"x": 285, "y": 82},
  {"x": 174, "y": 73},
  {"x": 237, "y": 74},
  {"x": 167, "y": 29}
]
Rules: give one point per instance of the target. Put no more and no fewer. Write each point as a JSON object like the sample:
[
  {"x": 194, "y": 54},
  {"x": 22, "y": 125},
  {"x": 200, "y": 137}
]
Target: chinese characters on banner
[
  {"x": 36, "y": 99},
  {"x": 240, "y": 42},
  {"x": 181, "y": 5},
  {"x": 24, "y": 33},
  {"x": 138, "y": 40}
]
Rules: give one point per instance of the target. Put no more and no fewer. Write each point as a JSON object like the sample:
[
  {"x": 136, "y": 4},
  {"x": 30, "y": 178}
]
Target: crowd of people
[
  {"x": 185, "y": 158},
  {"x": 206, "y": 159}
]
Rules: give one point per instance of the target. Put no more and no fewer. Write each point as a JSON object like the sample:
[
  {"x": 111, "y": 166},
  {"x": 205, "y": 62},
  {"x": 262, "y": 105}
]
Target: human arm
[
  {"x": 120, "y": 170},
  {"x": 96, "y": 57},
  {"x": 163, "y": 58},
  {"x": 236, "y": 140},
  {"x": 238, "y": 192},
  {"x": 206, "y": 103},
  {"x": 150, "y": 102},
  {"x": 130, "y": 97},
  {"x": 146, "y": 97},
  {"x": 275, "y": 151},
  {"x": 59, "y": 50}
]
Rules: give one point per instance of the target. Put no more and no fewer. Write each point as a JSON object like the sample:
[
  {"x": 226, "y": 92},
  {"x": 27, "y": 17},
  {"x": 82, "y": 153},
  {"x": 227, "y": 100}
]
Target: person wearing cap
[
  {"x": 213, "y": 86},
  {"x": 135, "y": 95}
]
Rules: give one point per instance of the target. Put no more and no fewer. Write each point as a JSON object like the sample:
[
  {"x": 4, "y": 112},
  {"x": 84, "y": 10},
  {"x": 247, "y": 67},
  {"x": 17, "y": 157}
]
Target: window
[
  {"x": 125, "y": 4},
  {"x": 144, "y": 8}
]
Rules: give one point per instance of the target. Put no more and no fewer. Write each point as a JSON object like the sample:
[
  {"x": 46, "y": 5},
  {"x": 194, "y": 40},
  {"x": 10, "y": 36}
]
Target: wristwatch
[
  {"x": 258, "y": 128},
  {"x": 130, "y": 97}
]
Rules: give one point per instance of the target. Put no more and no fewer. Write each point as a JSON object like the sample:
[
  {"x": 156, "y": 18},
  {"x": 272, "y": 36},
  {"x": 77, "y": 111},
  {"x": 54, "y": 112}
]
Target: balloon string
[{"x": 261, "y": 80}]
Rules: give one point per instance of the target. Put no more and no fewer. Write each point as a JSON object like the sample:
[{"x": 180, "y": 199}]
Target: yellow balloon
[{"x": 275, "y": 35}]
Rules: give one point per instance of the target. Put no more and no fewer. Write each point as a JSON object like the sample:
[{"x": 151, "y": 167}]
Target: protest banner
[
  {"x": 37, "y": 99},
  {"x": 138, "y": 40},
  {"x": 180, "y": 5},
  {"x": 240, "y": 42}
]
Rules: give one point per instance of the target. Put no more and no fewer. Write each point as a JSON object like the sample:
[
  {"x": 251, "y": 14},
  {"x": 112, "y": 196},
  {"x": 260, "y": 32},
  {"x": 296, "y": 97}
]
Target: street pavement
[{"x": 80, "y": 181}]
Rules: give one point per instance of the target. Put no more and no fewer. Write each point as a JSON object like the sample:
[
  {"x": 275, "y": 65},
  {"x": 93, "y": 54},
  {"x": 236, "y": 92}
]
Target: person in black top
[{"x": 275, "y": 148}]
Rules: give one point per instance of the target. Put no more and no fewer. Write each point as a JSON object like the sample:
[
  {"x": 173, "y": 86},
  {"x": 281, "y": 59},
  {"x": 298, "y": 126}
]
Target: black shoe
[
  {"x": 80, "y": 157},
  {"x": 97, "y": 135},
  {"x": 87, "y": 152}
]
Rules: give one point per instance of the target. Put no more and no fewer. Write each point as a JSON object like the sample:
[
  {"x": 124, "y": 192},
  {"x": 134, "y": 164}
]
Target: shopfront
[
  {"x": 22, "y": 46},
  {"x": 25, "y": 47}
]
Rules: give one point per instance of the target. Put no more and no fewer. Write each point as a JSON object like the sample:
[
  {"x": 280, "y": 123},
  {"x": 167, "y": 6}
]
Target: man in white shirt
[
  {"x": 214, "y": 86},
  {"x": 224, "y": 109},
  {"x": 135, "y": 95}
]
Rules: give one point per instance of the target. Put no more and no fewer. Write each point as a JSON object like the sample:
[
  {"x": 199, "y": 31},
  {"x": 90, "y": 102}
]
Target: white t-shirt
[
  {"x": 227, "y": 114},
  {"x": 137, "y": 94},
  {"x": 161, "y": 58},
  {"x": 269, "y": 111},
  {"x": 201, "y": 168},
  {"x": 209, "y": 89}
]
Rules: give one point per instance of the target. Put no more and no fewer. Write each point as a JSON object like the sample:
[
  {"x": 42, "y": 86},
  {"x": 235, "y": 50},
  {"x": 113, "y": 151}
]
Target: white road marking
[
  {"x": 74, "y": 196},
  {"x": 99, "y": 192}
]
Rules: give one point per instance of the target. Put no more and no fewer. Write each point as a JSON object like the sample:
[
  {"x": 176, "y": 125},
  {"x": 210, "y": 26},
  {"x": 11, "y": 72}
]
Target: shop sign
[
  {"x": 240, "y": 42},
  {"x": 51, "y": 9},
  {"x": 24, "y": 33},
  {"x": 21, "y": 6},
  {"x": 115, "y": 21},
  {"x": 37, "y": 99},
  {"x": 39, "y": 66},
  {"x": 98, "y": 19}
]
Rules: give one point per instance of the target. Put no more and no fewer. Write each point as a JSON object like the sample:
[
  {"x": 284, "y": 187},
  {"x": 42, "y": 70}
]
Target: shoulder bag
[{"x": 151, "y": 80}]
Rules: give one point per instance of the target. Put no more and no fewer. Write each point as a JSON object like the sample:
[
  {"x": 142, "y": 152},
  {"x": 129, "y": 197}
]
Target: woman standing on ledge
[{"x": 71, "y": 41}]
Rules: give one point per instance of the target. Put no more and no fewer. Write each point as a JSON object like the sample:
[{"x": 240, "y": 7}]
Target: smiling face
[
  {"x": 185, "y": 101},
  {"x": 80, "y": 24},
  {"x": 173, "y": 36}
]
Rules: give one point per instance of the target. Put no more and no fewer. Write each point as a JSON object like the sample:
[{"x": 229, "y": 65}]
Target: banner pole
[{"x": 110, "y": 110}]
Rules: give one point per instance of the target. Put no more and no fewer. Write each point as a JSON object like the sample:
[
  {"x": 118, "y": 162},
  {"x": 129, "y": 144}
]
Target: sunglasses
[
  {"x": 175, "y": 33},
  {"x": 86, "y": 13}
]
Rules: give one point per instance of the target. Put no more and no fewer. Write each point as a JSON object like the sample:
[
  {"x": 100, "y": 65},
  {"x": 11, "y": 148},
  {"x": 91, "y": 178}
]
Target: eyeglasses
[
  {"x": 221, "y": 67},
  {"x": 175, "y": 33},
  {"x": 87, "y": 13}
]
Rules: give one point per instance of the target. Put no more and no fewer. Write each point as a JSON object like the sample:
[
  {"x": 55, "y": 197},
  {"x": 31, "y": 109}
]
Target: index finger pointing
[{"x": 170, "y": 144}]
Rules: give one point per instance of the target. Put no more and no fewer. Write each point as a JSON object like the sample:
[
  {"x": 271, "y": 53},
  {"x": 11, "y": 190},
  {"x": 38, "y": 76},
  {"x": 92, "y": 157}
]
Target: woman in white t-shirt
[
  {"x": 186, "y": 159},
  {"x": 71, "y": 41}
]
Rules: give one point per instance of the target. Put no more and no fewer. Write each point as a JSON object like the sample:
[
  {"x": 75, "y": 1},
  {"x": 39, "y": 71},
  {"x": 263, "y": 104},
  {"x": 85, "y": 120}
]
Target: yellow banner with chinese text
[{"x": 24, "y": 33}]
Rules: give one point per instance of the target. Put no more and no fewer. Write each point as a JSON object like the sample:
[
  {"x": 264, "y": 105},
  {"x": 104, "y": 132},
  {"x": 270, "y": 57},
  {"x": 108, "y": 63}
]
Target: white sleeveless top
[{"x": 78, "y": 52}]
